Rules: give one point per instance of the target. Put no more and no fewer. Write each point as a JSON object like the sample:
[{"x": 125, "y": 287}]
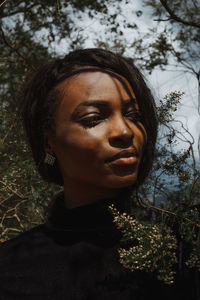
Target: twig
[
  {"x": 162, "y": 20},
  {"x": 170, "y": 213},
  {"x": 58, "y": 7},
  {"x": 9, "y": 229},
  {"x": 2, "y": 3},
  {"x": 8, "y": 131},
  {"x": 14, "y": 49},
  {"x": 193, "y": 185},
  {"x": 177, "y": 18},
  {"x": 13, "y": 191}
]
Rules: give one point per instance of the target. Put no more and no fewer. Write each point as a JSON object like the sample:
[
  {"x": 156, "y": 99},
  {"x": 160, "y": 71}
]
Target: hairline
[{"x": 80, "y": 70}]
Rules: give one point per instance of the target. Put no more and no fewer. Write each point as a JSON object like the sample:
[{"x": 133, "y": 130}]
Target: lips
[{"x": 124, "y": 157}]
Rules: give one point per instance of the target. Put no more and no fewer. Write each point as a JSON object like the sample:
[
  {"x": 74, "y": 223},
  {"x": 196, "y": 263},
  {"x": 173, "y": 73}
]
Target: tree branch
[
  {"x": 172, "y": 213},
  {"x": 13, "y": 191},
  {"x": 177, "y": 18},
  {"x": 2, "y": 3},
  {"x": 14, "y": 49}
]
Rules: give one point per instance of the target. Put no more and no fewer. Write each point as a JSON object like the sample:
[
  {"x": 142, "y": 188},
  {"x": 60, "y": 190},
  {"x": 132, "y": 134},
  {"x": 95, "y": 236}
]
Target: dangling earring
[{"x": 49, "y": 159}]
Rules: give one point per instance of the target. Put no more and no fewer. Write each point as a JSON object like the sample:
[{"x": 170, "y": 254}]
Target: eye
[
  {"x": 134, "y": 115},
  {"x": 91, "y": 120}
]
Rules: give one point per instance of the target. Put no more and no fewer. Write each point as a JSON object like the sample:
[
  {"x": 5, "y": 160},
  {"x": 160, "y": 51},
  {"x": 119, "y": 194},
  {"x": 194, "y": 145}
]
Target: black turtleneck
[
  {"x": 73, "y": 256},
  {"x": 91, "y": 223}
]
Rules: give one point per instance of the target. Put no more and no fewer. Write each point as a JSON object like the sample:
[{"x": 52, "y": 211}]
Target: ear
[{"x": 49, "y": 142}]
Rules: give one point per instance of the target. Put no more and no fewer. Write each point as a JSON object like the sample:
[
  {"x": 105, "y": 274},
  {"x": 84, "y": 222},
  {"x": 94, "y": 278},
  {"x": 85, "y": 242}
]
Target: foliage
[
  {"x": 24, "y": 196},
  {"x": 155, "y": 248}
]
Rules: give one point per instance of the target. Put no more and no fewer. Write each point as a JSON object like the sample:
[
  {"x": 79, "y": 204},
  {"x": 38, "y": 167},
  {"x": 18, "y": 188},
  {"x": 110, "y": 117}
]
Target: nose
[{"x": 121, "y": 135}]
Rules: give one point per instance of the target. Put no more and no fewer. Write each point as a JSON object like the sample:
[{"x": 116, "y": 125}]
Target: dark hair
[{"x": 40, "y": 98}]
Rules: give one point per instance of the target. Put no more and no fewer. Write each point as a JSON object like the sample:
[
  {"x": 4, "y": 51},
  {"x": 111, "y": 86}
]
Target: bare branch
[
  {"x": 165, "y": 211},
  {"x": 14, "y": 49},
  {"x": 2, "y": 3},
  {"x": 172, "y": 213},
  {"x": 155, "y": 185},
  {"x": 193, "y": 185},
  {"x": 13, "y": 191},
  {"x": 18, "y": 10},
  {"x": 177, "y": 18},
  {"x": 162, "y": 20}
]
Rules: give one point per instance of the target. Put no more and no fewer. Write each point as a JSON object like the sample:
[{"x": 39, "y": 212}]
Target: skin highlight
[{"x": 95, "y": 120}]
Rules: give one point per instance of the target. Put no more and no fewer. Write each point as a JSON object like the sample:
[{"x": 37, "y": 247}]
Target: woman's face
[{"x": 99, "y": 139}]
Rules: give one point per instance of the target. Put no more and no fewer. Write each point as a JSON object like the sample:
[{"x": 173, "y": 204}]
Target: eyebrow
[
  {"x": 95, "y": 103},
  {"x": 103, "y": 103}
]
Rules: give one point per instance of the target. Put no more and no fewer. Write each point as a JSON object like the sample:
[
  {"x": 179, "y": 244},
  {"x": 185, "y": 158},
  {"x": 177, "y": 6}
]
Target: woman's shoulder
[
  {"x": 29, "y": 239},
  {"x": 23, "y": 243}
]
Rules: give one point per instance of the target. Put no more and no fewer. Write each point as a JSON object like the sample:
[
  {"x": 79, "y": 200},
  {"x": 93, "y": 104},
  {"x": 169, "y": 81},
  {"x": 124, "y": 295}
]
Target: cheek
[{"x": 78, "y": 146}]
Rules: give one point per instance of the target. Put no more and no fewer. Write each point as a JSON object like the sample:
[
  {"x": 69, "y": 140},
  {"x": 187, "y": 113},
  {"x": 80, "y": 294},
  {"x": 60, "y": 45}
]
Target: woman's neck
[{"x": 81, "y": 194}]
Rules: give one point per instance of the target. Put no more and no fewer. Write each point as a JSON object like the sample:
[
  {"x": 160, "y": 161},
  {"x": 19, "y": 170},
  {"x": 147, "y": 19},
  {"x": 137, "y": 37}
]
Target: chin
[{"x": 123, "y": 182}]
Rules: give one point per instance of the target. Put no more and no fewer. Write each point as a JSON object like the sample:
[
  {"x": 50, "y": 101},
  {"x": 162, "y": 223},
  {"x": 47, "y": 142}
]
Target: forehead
[{"x": 96, "y": 85}]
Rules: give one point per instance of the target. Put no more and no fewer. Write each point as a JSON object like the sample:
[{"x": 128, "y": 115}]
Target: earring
[{"x": 49, "y": 159}]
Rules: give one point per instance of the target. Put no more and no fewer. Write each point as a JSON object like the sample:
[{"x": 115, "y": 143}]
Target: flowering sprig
[
  {"x": 155, "y": 249},
  {"x": 194, "y": 259},
  {"x": 189, "y": 228}
]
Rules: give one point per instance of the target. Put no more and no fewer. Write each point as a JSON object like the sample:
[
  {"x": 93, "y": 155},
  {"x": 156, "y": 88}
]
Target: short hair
[{"x": 40, "y": 98}]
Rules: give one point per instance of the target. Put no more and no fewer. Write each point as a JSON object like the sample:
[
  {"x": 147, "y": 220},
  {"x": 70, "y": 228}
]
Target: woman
[{"x": 91, "y": 123}]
